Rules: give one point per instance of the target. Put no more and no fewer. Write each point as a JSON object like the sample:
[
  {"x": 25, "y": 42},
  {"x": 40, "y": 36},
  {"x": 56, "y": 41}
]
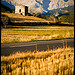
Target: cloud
[{"x": 54, "y": 4}]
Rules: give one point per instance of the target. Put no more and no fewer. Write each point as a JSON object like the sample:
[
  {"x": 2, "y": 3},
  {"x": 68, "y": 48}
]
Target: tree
[
  {"x": 4, "y": 21},
  {"x": 47, "y": 17},
  {"x": 52, "y": 18}
]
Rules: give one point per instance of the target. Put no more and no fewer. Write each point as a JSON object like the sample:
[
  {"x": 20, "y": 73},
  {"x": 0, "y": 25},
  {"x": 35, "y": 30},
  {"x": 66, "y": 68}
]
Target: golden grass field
[
  {"x": 17, "y": 18},
  {"x": 33, "y": 33},
  {"x": 50, "y": 62}
]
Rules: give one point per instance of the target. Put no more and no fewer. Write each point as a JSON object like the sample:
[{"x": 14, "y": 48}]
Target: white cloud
[{"x": 60, "y": 4}]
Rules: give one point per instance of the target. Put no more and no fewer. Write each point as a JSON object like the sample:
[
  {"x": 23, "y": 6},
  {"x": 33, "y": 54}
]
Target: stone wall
[{"x": 20, "y": 9}]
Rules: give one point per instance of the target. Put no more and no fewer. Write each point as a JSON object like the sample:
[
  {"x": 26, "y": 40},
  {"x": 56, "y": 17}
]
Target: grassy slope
[
  {"x": 5, "y": 9},
  {"x": 67, "y": 17},
  {"x": 16, "y": 18}
]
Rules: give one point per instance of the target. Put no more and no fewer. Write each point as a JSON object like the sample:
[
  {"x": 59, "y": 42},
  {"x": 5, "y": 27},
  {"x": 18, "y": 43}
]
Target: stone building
[{"x": 21, "y": 9}]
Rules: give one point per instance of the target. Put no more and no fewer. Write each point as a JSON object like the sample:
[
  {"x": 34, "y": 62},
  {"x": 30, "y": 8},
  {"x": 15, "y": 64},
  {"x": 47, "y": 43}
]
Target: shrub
[
  {"x": 4, "y": 21},
  {"x": 39, "y": 15},
  {"x": 47, "y": 17},
  {"x": 52, "y": 18},
  {"x": 8, "y": 11}
]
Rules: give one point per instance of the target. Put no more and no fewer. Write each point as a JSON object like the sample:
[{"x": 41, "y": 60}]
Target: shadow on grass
[
  {"x": 36, "y": 24},
  {"x": 22, "y": 19}
]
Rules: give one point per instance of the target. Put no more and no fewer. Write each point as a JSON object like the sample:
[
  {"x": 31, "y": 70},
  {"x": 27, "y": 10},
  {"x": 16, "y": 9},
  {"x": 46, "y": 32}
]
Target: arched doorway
[{"x": 19, "y": 10}]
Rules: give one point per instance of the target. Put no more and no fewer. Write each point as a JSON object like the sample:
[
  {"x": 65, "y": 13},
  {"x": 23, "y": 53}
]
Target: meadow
[
  {"x": 50, "y": 62},
  {"x": 34, "y": 33},
  {"x": 17, "y": 18}
]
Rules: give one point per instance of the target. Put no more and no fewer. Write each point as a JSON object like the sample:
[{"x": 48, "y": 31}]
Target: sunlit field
[
  {"x": 17, "y": 18},
  {"x": 50, "y": 62},
  {"x": 33, "y": 33}
]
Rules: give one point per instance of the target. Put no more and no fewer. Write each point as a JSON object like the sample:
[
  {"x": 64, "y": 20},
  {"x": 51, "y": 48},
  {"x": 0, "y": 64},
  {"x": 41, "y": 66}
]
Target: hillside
[
  {"x": 16, "y": 18},
  {"x": 5, "y": 8},
  {"x": 63, "y": 14},
  {"x": 67, "y": 17}
]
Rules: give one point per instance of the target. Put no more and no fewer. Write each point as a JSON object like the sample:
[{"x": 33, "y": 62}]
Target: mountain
[
  {"x": 7, "y": 4},
  {"x": 60, "y": 11},
  {"x": 5, "y": 8},
  {"x": 39, "y": 6}
]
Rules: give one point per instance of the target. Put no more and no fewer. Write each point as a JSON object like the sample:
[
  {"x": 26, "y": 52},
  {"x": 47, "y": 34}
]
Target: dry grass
[
  {"x": 16, "y": 18},
  {"x": 51, "y": 62},
  {"x": 33, "y": 33}
]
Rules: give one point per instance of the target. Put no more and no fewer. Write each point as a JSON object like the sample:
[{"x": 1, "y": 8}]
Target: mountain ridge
[
  {"x": 60, "y": 11},
  {"x": 39, "y": 6}
]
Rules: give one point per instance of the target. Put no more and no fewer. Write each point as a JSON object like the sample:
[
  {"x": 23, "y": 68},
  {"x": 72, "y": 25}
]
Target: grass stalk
[
  {"x": 41, "y": 64},
  {"x": 36, "y": 47}
]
